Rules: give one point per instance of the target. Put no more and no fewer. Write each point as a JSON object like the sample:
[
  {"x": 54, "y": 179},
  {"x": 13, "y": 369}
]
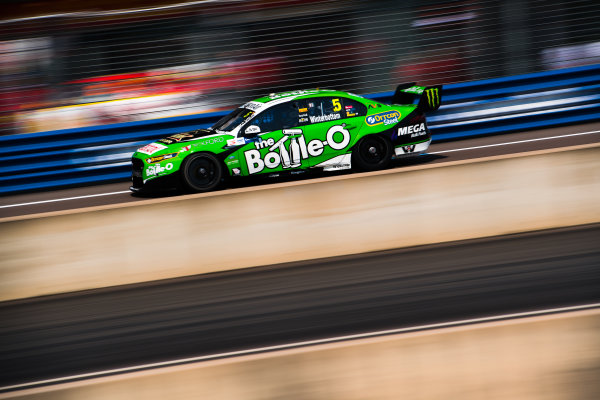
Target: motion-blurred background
[{"x": 67, "y": 64}]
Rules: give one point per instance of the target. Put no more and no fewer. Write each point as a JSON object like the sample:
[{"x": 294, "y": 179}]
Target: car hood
[{"x": 186, "y": 136}]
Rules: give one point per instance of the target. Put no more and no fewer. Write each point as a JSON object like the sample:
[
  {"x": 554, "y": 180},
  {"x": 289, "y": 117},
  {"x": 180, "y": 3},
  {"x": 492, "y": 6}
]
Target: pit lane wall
[
  {"x": 540, "y": 358},
  {"x": 201, "y": 233},
  {"x": 71, "y": 157}
]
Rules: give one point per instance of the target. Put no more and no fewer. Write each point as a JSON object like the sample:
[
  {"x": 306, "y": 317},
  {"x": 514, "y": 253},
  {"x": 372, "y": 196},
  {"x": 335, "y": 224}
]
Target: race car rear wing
[{"x": 429, "y": 97}]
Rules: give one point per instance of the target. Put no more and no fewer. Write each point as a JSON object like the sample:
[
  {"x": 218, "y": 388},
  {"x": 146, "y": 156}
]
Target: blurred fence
[
  {"x": 102, "y": 153},
  {"x": 79, "y": 68}
]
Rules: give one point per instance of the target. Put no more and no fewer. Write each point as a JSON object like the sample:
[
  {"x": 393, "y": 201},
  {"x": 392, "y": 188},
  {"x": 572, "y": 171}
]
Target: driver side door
[{"x": 275, "y": 141}]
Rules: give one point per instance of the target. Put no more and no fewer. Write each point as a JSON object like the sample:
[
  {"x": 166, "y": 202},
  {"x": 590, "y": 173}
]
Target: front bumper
[{"x": 169, "y": 181}]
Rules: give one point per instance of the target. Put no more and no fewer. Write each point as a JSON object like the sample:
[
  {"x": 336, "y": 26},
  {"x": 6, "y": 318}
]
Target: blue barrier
[{"x": 99, "y": 154}]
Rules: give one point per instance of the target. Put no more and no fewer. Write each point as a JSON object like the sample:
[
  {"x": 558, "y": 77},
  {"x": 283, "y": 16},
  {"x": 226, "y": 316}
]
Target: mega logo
[
  {"x": 433, "y": 97},
  {"x": 413, "y": 130},
  {"x": 386, "y": 118},
  {"x": 290, "y": 155}
]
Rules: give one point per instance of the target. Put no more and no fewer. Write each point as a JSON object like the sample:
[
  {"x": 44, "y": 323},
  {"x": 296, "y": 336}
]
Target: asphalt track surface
[
  {"x": 74, "y": 198},
  {"x": 61, "y": 335},
  {"x": 95, "y": 330}
]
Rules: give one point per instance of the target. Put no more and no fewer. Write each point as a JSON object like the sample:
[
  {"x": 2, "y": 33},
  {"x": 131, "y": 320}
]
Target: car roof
[
  {"x": 301, "y": 94},
  {"x": 283, "y": 97}
]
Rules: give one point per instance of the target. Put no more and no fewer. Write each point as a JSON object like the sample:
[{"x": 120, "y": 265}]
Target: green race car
[{"x": 287, "y": 132}]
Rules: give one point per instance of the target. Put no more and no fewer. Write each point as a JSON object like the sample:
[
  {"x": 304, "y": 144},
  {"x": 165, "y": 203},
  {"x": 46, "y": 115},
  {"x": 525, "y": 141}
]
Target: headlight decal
[{"x": 156, "y": 159}]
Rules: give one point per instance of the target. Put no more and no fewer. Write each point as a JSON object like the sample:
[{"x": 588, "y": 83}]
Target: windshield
[{"x": 233, "y": 120}]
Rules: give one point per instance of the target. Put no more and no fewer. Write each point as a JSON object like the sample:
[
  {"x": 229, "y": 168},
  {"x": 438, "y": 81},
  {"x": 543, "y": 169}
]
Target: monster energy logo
[{"x": 433, "y": 97}]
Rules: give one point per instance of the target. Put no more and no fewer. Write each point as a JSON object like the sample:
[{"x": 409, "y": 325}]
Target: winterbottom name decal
[
  {"x": 386, "y": 118},
  {"x": 291, "y": 149},
  {"x": 323, "y": 118}
]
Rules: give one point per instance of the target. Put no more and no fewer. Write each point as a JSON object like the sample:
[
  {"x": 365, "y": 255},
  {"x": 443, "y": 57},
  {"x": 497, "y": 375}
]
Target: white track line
[
  {"x": 434, "y": 152},
  {"x": 516, "y": 142},
  {"x": 65, "y": 199},
  {"x": 296, "y": 345}
]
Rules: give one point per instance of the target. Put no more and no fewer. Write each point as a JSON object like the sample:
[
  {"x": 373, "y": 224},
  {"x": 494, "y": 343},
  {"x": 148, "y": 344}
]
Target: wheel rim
[
  {"x": 202, "y": 172},
  {"x": 372, "y": 151}
]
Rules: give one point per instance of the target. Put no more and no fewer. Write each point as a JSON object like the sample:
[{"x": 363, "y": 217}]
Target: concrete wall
[
  {"x": 555, "y": 357},
  {"x": 62, "y": 252}
]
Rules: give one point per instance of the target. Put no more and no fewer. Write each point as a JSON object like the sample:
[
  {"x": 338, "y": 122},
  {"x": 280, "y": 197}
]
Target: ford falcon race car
[{"x": 291, "y": 131}]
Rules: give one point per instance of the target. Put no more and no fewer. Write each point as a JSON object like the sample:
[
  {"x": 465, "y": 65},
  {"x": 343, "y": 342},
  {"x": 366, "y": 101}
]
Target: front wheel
[
  {"x": 372, "y": 153},
  {"x": 202, "y": 172}
]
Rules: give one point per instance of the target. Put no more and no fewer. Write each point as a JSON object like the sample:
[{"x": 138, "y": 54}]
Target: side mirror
[{"x": 252, "y": 129}]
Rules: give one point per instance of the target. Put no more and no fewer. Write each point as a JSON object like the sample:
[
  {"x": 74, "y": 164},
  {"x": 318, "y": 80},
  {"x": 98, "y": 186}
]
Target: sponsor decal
[
  {"x": 176, "y": 138},
  {"x": 252, "y": 105},
  {"x": 236, "y": 171},
  {"x": 433, "y": 97},
  {"x": 186, "y": 148},
  {"x": 252, "y": 129},
  {"x": 303, "y": 119},
  {"x": 156, "y": 159},
  {"x": 339, "y": 166},
  {"x": 151, "y": 148},
  {"x": 303, "y": 110},
  {"x": 233, "y": 162},
  {"x": 261, "y": 144},
  {"x": 290, "y": 155},
  {"x": 323, "y": 118},
  {"x": 236, "y": 142},
  {"x": 386, "y": 118},
  {"x": 414, "y": 89},
  {"x": 350, "y": 112},
  {"x": 413, "y": 130},
  {"x": 274, "y": 96},
  {"x": 155, "y": 170},
  {"x": 214, "y": 140},
  {"x": 409, "y": 149}
]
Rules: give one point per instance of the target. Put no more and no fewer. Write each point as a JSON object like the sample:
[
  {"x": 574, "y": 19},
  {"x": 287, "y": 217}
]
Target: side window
[
  {"x": 281, "y": 116},
  {"x": 293, "y": 114},
  {"x": 266, "y": 121},
  {"x": 301, "y": 112},
  {"x": 321, "y": 109},
  {"x": 353, "y": 108}
]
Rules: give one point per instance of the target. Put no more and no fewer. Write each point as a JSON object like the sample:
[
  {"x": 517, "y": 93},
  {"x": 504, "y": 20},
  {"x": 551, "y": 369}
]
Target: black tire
[
  {"x": 202, "y": 172},
  {"x": 371, "y": 153}
]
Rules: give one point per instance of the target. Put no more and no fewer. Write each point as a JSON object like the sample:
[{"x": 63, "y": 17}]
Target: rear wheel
[
  {"x": 372, "y": 153},
  {"x": 202, "y": 172}
]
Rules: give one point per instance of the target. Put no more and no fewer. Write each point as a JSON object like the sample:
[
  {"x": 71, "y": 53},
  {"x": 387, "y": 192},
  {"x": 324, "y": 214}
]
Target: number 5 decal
[{"x": 336, "y": 105}]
